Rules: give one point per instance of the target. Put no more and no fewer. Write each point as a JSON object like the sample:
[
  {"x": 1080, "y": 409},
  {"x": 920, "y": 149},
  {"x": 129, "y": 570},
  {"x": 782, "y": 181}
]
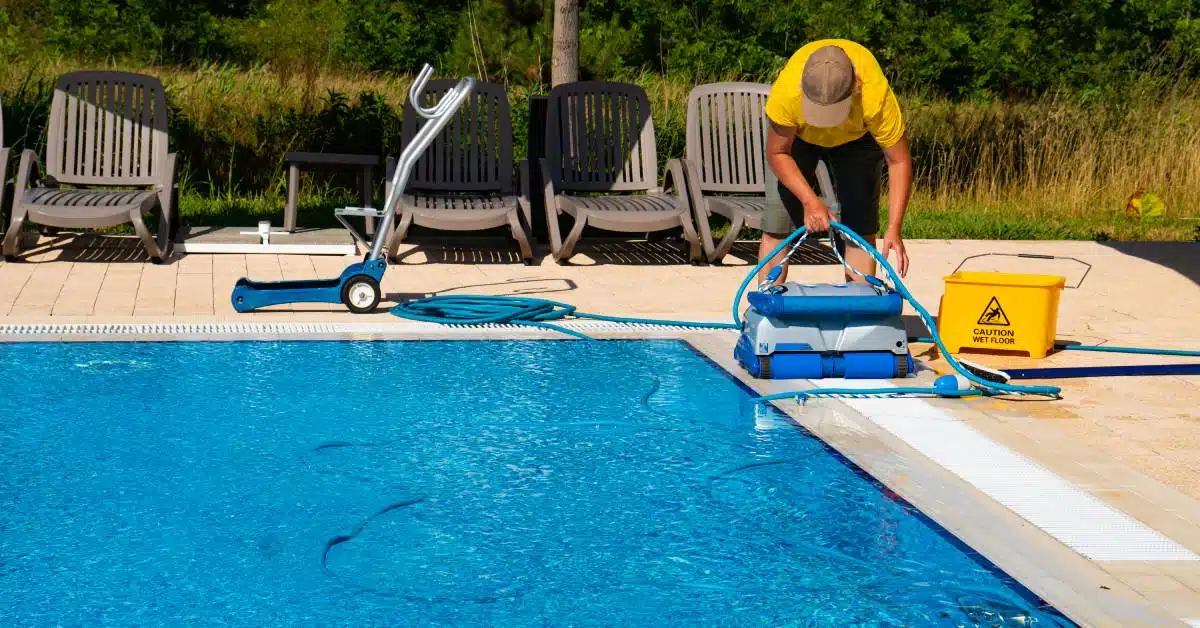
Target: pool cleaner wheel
[{"x": 361, "y": 294}]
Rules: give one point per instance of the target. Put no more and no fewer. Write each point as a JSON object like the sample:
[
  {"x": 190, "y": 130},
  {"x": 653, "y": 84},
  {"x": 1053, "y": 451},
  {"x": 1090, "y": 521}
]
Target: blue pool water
[{"x": 446, "y": 483}]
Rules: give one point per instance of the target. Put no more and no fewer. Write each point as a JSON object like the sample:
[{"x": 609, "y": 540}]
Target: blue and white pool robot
[
  {"x": 358, "y": 286},
  {"x": 815, "y": 331},
  {"x": 847, "y": 330}
]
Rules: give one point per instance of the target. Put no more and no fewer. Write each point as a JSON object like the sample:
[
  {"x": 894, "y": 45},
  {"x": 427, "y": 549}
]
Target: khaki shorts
[{"x": 856, "y": 169}]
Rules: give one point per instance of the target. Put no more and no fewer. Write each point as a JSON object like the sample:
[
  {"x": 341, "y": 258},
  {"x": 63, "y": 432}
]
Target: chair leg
[
  {"x": 164, "y": 233},
  {"x": 694, "y": 253},
  {"x": 521, "y": 235},
  {"x": 139, "y": 226},
  {"x": 12, "y": 239},
  {"x": 398, "y": 234},
  {"x": 705, "y": 230},
  {"x": 554, "y": 236},
  {"x": 722, "y": 249},
  {"x": 568, "y": 246}
]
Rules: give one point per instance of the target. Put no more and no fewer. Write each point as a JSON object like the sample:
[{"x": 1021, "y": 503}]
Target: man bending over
[{"x": 832, "y": 102}]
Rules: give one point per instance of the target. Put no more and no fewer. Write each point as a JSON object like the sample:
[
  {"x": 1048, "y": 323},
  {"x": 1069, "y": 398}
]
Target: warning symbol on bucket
[{"x": 993, "y": 314}]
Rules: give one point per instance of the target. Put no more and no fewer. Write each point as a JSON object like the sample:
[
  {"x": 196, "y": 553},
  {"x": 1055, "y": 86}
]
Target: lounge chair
[
  {"x": 601, "y": 167},
  {"x": 725, "y": 166},
  {"x": 107, "y": 137},
  {"x": 464, "y": 181}
]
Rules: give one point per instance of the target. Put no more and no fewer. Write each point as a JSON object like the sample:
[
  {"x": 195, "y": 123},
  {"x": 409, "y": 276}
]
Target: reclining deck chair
[
  {"x": 107, "y": 136},
  {"x": 600, "y": 141},
  {"x": 464, "y": 180},
  {"x": 725, "y": 166}
]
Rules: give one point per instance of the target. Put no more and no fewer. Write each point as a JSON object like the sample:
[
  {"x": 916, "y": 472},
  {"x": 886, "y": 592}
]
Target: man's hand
[
  {"x": 817, "y": 216},
  {"x": 893, "y": 242},
  {"x": 899, "y": 164}
]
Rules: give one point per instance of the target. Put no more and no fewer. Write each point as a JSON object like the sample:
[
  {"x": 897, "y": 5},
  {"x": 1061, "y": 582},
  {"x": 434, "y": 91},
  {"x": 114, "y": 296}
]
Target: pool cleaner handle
[{"x": 438, "y": 117}]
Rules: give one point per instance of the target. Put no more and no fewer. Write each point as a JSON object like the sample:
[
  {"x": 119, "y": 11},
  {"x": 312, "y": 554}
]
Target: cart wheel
[{"x": 361, "y": 294}]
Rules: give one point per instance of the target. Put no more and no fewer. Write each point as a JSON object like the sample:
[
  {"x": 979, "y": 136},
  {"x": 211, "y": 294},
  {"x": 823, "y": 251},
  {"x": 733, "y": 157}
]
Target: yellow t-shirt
[{"x": 874, "y": 110}]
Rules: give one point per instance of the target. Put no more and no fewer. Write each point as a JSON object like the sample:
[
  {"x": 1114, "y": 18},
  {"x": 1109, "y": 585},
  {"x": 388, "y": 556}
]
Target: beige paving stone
[
  {"x": 194, "y": 295},
  {"x": 222, "y": 289},
  {"x": 13, "y": 278},
  {"x": 263, "y": 268},
  {"x": 331, "y": 265},
  {"x": 195, "y": 263},
  {"x": 297, "y": 267},
  {"x": 79, "y": 292},
  {"x": 1154, "y": 584},
  {"x": 156, "y": 291},
  {"x": 229, "y": 264},
  {"x": 30, "y": 314},
  {"x": 118, "y": 292},
  {"x": 44, "y": 287}
]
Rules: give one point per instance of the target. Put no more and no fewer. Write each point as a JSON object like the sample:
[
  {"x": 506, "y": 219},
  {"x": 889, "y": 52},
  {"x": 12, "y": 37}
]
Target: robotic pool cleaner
[{"x": 816, "y": 331}]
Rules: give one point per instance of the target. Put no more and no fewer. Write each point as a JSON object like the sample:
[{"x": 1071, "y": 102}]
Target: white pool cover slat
[{"x": 1070, "y": 514}]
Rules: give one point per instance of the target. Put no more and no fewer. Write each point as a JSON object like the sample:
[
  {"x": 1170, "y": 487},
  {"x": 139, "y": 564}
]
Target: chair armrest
[
  {"x": 3, "y": 179},
  {"x": 674, "y": 180},
  {"x": 548, "y": 186},
  {"x": 166, "y": 187},
  {"x": 3, "y": 167},
  {"x": 525, "y": 199},
  {"x": 691, "y": 181},
  {"x": 166, "y": 184},
  {"x": 166, "y": 204},
  {"x": 551, "y": 206},
  {"x": 28, "y": 159}
]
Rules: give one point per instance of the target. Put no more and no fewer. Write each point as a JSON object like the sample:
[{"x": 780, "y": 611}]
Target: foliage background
[{"x": 1035, "y": 118}]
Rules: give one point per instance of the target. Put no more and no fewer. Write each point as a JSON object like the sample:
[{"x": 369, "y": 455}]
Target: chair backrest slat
[
  {"x": 473, "y": 153},
  {"x": 600, "y": 137},
  {"x": 726, "y": 129},
  {"x": 107, "y": 128}
]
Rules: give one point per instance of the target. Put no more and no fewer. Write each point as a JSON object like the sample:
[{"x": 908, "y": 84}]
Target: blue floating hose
[
  {"x": 506, "y": 310},
  {"x": 496, "y": 310}
]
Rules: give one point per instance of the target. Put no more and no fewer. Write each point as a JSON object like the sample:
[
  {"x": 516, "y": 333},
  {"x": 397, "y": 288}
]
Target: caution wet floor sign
[{"x": 1000, "y": 312}]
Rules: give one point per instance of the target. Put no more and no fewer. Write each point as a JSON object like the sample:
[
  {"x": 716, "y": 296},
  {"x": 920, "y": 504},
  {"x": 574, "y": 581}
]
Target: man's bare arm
[{"x": 780, "y": 160}]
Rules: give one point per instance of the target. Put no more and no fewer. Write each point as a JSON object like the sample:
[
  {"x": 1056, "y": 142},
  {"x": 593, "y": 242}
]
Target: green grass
[
  {"x": 990, "y": 223},
  {"x": 1054, "y": 166},
  {"x": 969, "y": 223}
]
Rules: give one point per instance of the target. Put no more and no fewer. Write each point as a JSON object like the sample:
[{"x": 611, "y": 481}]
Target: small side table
[{"x": 295, "y": 161}]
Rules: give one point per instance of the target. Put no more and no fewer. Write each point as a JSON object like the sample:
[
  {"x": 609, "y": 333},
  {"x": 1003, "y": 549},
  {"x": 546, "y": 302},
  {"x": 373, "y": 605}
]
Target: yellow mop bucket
[{"x": 1000, "y": 312}]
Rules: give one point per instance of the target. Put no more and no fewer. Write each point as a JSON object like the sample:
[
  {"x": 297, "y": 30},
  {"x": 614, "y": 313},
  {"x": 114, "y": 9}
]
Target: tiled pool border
[{"x": 1050, "y": 570}]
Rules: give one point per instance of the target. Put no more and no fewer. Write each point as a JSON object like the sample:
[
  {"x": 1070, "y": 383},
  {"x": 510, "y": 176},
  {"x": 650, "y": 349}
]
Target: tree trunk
[{"x": 564, "y": 65}]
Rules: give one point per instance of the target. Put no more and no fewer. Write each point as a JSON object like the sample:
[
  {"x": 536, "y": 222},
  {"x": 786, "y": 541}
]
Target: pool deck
[{"x": 1132, "y": 442}]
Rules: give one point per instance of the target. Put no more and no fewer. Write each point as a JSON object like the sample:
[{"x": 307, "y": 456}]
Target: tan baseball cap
[{"x": 827, "y": 87}]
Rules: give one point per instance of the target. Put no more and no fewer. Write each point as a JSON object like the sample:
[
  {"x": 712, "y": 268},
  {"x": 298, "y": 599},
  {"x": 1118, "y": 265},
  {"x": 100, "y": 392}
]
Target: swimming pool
[{"x": 446, "y": 483}]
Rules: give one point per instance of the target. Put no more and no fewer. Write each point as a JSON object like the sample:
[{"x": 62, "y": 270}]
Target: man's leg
[
  {"x": 856, "y": 169},
  {"x": 768, "y": 243},
  {"x": 776, "y": 225}
]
